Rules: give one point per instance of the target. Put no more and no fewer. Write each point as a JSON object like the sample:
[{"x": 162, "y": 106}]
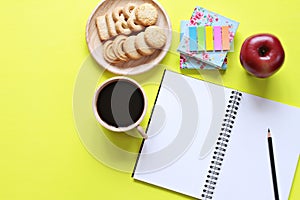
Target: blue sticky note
[{"x": 193, "y": 44}]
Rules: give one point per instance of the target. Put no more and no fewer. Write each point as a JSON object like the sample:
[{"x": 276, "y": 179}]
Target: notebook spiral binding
[{"x": 221, "y": 145}]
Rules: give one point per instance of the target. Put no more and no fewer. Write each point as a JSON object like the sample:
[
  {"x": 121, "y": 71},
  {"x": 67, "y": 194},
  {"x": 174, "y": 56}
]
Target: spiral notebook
[{"x": 210, "y": 142}]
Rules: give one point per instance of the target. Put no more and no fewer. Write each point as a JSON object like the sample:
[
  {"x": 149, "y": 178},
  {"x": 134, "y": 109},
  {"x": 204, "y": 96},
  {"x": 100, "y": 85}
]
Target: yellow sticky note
[{"x": 209, "y": 38}]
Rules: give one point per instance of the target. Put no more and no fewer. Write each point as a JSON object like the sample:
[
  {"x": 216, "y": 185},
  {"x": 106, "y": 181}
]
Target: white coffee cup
[{"x": 120, "y": 105}]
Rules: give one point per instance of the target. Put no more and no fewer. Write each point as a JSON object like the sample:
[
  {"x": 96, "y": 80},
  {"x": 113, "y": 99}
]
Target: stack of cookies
[{"x": 129, "y": 32}]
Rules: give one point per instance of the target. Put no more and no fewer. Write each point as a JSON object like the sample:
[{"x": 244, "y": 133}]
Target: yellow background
[{"x": 43, "y": 47}]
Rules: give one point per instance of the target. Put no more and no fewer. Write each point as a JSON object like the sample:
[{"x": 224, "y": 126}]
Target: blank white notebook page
[{"x": 184, "y": 114}]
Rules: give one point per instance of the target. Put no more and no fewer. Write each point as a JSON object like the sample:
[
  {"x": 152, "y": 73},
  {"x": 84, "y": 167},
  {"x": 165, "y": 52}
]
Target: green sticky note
[{"x": 201, "y": 38}]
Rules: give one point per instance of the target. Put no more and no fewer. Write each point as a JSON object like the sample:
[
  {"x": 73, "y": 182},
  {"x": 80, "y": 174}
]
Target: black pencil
[{"x": 272, "y": 161}]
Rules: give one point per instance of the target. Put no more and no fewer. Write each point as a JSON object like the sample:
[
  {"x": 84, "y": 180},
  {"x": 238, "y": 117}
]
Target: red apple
[{"x": 262, "y": 55}]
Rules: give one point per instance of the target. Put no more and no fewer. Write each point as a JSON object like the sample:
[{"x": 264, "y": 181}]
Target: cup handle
[{"x": 142, "y": 132}]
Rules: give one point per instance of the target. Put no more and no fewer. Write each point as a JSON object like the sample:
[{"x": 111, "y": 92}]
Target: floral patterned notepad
[
  {"x": 191, "y": 63},
  {"x": 203, "y": 17},
  {"x": 187, "y": 62}
]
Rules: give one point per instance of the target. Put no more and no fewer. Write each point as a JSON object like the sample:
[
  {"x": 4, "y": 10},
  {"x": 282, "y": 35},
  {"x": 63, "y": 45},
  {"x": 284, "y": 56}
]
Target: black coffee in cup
[{"x": 120, "y": 103}]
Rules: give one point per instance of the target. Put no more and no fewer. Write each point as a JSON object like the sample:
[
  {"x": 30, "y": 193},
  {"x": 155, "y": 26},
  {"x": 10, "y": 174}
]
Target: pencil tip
[
  {"x": 268, "y": 130},
  {"x": 269, "y": 133}
]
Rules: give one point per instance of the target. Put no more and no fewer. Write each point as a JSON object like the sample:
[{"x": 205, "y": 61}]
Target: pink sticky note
[{"x": 217, "y": 38}]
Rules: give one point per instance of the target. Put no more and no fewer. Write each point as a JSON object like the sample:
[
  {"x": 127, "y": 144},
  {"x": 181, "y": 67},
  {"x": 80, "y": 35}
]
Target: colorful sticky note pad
[
  {"x": 201, "y": 38},
  {"x": 193, "y": 38},
  {"x": 209, "y": 38},
  {"x": 225, "y": 38},
  {"x": 211, "y": 57},
  {"x": 217, "y": 38}
]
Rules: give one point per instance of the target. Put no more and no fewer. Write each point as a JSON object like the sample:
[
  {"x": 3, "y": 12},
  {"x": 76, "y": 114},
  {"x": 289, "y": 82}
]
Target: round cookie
[
  {"x": 142, "y": 46},
  {"x": 105, "y": 51},
  {"x": 155, "y": 37},
  {"x": 117, "y": 47},
  {"x": 108, "y": 53},
  {"x": 146, "y": 14},
  {"x": 130, "y": 49},
  {"x": 120, "y": 50}
]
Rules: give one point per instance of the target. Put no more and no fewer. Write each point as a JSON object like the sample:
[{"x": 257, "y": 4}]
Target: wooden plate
[{"x": 131, "y": 67}]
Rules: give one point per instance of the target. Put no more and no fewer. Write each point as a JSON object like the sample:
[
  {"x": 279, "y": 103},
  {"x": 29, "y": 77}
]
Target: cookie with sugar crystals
[
  {"x": 130, "y": 49},
  {"x": 146, "y": 14},
  {"x": 155, "y": 37},
  {"x": 142, "y": 46}
]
